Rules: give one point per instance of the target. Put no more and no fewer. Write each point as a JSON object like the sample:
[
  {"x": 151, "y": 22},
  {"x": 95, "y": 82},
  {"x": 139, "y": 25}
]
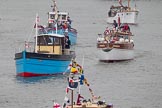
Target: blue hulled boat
[{"x": 48, "y": 57}]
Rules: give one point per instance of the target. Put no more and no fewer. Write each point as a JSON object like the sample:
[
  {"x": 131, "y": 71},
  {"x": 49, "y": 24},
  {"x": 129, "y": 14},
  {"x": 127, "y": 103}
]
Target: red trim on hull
[
  {"x": 111, "y": 61},
  {"x": 28, "y": 74}
]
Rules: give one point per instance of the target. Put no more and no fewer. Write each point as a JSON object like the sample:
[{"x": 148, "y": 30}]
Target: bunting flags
[
  {"x": 73, "y": 81},
  {"x": 81, "y": 79},
  {"x": 78, "y": 100},
  {"x": 75, "y": 68}
]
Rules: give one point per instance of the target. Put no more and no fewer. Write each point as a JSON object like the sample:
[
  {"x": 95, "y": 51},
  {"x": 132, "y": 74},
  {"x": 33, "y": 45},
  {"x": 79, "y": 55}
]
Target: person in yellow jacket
[{"x": 76, "y": 68}]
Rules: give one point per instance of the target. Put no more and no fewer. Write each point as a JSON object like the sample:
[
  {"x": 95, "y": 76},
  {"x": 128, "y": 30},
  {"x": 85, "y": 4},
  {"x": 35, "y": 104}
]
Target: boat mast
[
  {"x": 36, "y": 31},
  {"x": 128, "y": 4},
  {"x": 56, "y": 13},
  {"x": 54, "y": 6}
]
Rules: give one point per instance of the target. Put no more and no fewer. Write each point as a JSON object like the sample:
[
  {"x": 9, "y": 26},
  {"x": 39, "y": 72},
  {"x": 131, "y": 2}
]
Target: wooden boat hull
[
  {"x": 129, "y": 17},
  {"x": 30, "y": 64}
]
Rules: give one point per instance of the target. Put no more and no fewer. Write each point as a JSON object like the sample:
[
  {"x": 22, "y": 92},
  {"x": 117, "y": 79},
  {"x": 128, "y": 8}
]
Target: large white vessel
[
  {"x": 115, "y": 46},
  {"x": 123, "y": 14}
]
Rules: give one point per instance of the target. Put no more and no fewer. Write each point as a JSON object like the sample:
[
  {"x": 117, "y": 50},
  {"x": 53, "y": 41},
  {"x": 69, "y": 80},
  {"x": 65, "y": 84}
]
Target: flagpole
[
  {"x": 56, "y": 14},
  {"x": 71, "y": 98},
  {"x": 36, "y": 32}
]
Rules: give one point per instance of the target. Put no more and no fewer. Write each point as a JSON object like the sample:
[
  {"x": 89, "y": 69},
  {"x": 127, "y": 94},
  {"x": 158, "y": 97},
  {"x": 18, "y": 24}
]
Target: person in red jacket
[{"x": 125, "y": 28}]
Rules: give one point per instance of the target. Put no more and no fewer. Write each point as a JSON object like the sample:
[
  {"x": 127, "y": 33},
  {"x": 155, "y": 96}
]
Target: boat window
[
  {"x": 52, "y": 16},
  {"x": 64, "y": 17},
  {"x": 56, "y": 41},
  {"x": 41, "y": 41},
  {"x": 59, "y": 15},
  {"x": 44, "y": 40},
  {"x": 48, "y": 40}
]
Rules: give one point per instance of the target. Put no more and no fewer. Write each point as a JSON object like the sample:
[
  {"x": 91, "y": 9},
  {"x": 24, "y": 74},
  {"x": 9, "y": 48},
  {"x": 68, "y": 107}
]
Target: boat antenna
[
  {"x": 135, "y": 7},
  {"x": 54, "y": 6},
  {"x": 55, "y": 9},
  {"x": 56, "y": 13}
]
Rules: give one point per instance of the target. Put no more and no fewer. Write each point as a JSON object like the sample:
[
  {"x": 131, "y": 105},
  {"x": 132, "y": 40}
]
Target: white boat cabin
[
  {"x": 123, "y": 14},
  {"x": 60, "y": 16}
]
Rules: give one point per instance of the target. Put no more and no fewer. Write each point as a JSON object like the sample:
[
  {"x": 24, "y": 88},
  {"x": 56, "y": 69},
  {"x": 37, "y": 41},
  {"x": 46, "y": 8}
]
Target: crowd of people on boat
[
  {"x": 53, "y": 25},
  {"x": 122, "y": 27},
  {"x": 118, "y": 33},
  {"x": 64, "y": 24},
  {"x": 114, "y": 10}
]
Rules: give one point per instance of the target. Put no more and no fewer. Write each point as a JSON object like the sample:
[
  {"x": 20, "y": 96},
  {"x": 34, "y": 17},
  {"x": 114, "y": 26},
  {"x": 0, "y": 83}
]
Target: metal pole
[
  {"x": 36, "y": 31},
  {"x": 71, "y": 98}
]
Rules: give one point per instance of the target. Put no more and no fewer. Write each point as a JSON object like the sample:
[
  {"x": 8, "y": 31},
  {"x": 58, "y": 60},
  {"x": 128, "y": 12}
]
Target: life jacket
[{"x": 65, "y": 26}]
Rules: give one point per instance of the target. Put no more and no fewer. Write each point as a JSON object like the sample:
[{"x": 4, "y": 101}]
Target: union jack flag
[{"x": 56, "y": 105}]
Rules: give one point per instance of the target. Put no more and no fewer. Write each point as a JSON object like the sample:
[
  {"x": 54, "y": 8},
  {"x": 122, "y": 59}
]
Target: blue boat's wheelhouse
[{"x": 52, "y": 44}]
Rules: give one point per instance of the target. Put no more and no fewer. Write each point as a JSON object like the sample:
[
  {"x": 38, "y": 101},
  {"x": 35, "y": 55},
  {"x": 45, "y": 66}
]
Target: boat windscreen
[{"x": 48, "y": 40}]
